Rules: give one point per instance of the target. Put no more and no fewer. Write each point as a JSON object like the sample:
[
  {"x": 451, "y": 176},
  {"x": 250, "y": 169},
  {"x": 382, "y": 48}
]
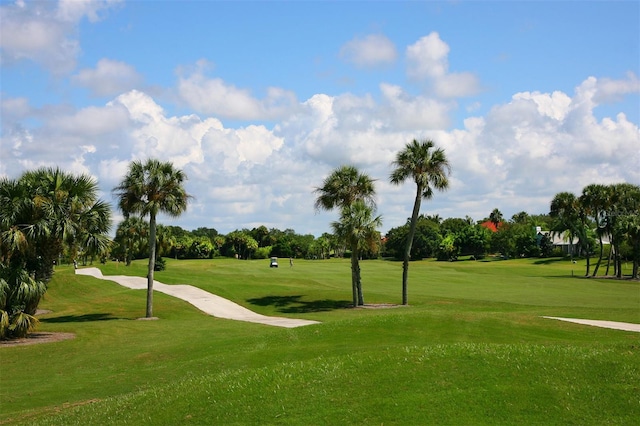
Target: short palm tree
[
  {"x": 429, "y": 168},
  {"x": 148, "y": 189},
  {"x": 358, "y": 229},
  {"x": 345, "y": 187}
]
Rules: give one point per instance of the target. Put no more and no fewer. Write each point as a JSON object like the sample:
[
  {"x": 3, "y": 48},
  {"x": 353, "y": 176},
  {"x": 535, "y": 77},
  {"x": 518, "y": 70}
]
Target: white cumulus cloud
[
  {"x": 369, "y": 51},
  {"x": 428, "y": 60},
  {"x": 108, "y": 78},
  {"x": 46, "y": 32}
]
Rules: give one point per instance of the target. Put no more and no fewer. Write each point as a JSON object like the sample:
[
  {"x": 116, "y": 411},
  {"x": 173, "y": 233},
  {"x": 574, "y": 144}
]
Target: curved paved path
[
  {"x": 208, "y": 303},
  {"x": 626, "y": 326}
]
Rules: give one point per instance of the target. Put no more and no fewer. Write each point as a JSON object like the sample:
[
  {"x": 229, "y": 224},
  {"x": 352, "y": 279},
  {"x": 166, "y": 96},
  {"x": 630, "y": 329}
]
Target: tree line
[{"x": 48, "y": 215}]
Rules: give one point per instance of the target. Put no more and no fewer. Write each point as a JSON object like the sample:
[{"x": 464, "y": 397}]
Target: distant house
[{"x": 562, "y": 241}]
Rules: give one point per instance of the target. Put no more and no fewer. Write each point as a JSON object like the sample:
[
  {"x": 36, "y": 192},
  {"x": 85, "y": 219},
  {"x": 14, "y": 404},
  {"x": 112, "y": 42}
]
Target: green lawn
[{"x": 470, "y": 349}]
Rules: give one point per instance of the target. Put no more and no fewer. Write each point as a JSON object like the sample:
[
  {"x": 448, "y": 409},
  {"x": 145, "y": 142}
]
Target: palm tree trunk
[
  {"x": 610, "y": 254},
  {"x": 407, "y": 250},
  {"x": 152, "y": 264},
  {"x": 595, "y": 270},
  {"x": 355, "y": 279},
  {"x": 588, "y": 254}
]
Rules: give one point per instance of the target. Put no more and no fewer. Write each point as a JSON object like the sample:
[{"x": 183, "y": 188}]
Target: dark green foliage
[
  {"x": 160, "y": 264},
  {"x": 44, "y": 214},
  {"x": 425, "y": 242}
]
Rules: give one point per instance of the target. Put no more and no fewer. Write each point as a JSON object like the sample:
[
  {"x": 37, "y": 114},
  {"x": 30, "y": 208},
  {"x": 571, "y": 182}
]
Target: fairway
[{"x": 472, "y": 347}]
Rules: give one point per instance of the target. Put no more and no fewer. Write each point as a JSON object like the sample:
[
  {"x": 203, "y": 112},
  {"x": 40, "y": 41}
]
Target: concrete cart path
[
  {"x": 208, "y": 303},
  {"x": 626, "y": 326}
]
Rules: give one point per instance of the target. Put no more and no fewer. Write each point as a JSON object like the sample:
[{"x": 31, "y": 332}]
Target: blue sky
[{"x": 258, "y": 101}]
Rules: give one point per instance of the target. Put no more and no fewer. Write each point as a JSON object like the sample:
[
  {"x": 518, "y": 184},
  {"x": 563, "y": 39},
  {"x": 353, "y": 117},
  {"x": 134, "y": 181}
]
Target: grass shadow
[
  {"x": 294, "y": 304},
  {"x": 550, "y": 261},
  {"x": 80, "y": 318}
]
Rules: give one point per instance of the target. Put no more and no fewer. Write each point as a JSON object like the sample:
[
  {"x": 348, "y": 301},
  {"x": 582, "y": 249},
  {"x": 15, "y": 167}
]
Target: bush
[
  {"x": 262, "y": 253},
  {"x": 160, "y": 265}
]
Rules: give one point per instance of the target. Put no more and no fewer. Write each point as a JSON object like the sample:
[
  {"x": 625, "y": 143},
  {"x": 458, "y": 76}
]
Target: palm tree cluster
[
  {"x": 353, "y": 193},
  {"x": 601, "y": 211},
  {"x": 43, "y": 214}
]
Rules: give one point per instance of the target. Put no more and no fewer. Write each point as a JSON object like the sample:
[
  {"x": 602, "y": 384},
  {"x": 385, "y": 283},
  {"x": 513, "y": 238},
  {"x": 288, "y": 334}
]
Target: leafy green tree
[
  {"x": 429, "y": 168},
  {"x": 454, "y": 225},
  {"x": 239, "y": 243},
  {"x": 426, "y": 240},
  {"x": 149, "y": 189},
  {"x": 358, "y": 228},
  {"x": 474, "y": 240},
  {"x": 448, "y": 249}
]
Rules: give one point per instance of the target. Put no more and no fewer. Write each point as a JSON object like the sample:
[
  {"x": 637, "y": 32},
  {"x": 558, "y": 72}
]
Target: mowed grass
[{"x": 471, "y": 348}]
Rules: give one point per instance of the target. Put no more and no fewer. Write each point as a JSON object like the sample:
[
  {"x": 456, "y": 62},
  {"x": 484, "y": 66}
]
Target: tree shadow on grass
[
  {"x": 80, "y": 318},
  {"x": 294, "y": 304},
  {"x": 550, "y": 260}
]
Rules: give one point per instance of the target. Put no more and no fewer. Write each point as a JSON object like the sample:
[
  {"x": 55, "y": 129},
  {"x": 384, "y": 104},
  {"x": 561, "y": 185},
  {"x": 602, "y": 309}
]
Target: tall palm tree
[
  {"x": 594, "y": 201},
  {"x": 429, "y": 168},
  {"x": 148, "y": 189},
  {"x": 358, "y": 229},
  {"x": 342, "y": 189}
]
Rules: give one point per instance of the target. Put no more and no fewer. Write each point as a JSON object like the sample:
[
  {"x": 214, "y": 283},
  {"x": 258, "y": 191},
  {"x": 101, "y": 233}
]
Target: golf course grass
[{"x": 471, "y": 348}]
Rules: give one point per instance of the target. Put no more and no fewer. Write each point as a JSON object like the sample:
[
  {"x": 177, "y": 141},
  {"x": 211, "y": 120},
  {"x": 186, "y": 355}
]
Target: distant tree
[
  {"x": 496, "y": 217},
  {"x": 473, "y": 240},
  {"x": 520, "y": 218},
  {"x": 454, "y": 225},
  {"x": 148, "y": 189},
  {"x": 570, "y": 217},
  {"x": 448, "y": 249},
  {"x": 131, "y": 240},
  {"x": 594, "y": 201},
  {"x": 425, "y": 242},
  {"x": 429, "y": 168}
]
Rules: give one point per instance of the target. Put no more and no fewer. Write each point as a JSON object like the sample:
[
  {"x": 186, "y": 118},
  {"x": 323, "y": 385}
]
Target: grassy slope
[{"x": 471, "y": 348}]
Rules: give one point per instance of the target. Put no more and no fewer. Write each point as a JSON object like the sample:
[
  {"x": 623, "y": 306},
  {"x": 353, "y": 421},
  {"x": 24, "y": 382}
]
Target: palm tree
[
  {"x": 429, "y": 168},
  {"x": 571, "y": 217},
  {"x": 149, "y": 189},
  {"x": 594, "y": 200},
  {"x": 42, "y": 213},
  {"x": 342, "y": 189},
  {"x": 344, "y": 186},
  {"x": 358, "y": 229},
  {"x": 496, "y": 217}
]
